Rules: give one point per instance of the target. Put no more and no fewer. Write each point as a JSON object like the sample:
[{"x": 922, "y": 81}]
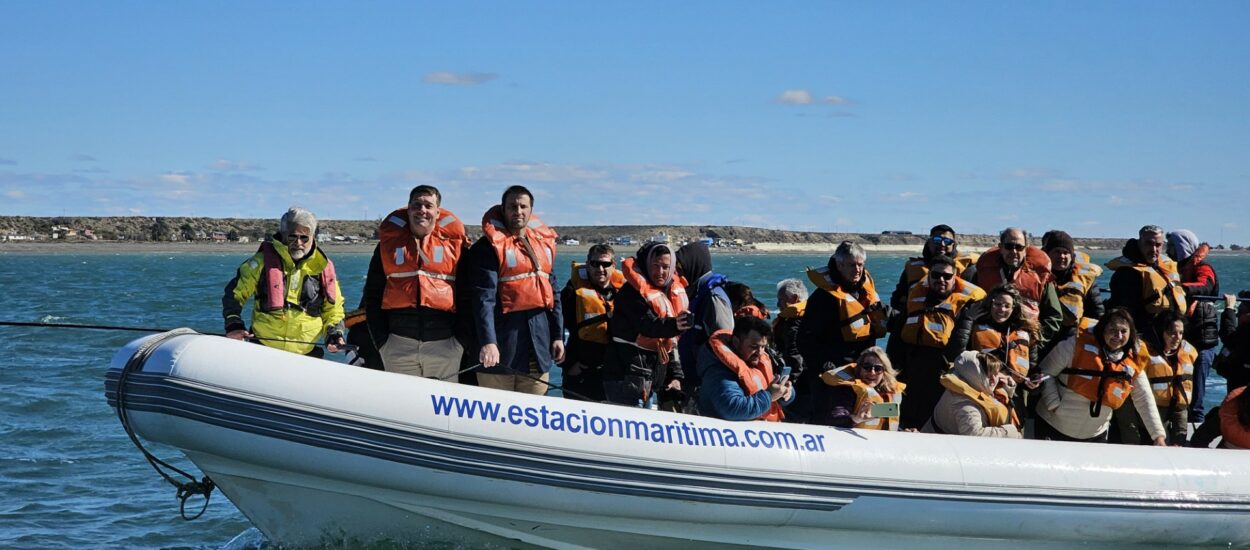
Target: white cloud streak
[{"x": 446, "y": 78}]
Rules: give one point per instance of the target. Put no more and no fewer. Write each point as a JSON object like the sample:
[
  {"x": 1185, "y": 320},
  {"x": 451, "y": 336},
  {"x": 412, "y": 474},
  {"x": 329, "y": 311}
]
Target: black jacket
[{"x": 632, "y": 316}]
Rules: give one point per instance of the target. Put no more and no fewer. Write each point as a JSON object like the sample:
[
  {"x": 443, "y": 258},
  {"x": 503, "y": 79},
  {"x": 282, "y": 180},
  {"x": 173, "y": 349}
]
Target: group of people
[{"x": 977, "y": 345}]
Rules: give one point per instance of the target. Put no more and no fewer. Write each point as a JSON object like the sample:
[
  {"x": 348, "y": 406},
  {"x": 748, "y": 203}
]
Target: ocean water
[{"x": 70, "y": 478}]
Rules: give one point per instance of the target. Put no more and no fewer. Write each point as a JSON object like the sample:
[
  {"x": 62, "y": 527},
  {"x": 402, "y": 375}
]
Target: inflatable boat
[{"x": 311, "y": 450}]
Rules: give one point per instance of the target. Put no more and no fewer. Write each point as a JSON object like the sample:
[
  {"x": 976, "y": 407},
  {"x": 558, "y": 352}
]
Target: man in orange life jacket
[
  {"x": 1026, "y": 268},
  {"x": 409, "y": 294},
  {"x": 297, "y": 293},
  {"x": 515, "y": 310},
  {"x": 738, "y": 378},
  {"x": 587, "y": 304},
  {"x": 1145, "y": 281},
  {"x": 942, "y": 241}
]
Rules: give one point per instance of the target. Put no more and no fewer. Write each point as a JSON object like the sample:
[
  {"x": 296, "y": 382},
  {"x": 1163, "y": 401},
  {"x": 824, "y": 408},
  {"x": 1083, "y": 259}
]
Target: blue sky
[{"x": 828, "y": 116}]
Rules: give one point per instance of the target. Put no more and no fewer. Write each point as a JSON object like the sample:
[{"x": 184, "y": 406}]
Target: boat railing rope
[
  {"x": 344, "y": 347},
  {"x": 185, "y": 489}
]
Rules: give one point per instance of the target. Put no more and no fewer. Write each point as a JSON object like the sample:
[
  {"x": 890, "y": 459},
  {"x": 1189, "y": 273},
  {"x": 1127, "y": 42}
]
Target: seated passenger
[
  {"x": 1091, "y": 374},
  {"x": 1234, "y": 417},
  {"x": 738, "y": 378},
  {"x": 970, "y": 406},
  {"x": 858, "y": 386}
]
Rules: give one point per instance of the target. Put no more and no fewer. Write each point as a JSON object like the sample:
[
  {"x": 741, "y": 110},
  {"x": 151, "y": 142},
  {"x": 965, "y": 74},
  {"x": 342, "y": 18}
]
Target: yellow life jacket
[
  {"x": 861, "y": 317},
  {"x": 1161, "y": 288},
  {"x": 1072, "y": 293},
  {"x": 590, "y": 307},
  {"x": 986, "y": 338},
  {"x": 931, "y": 326},
  {"x": 864, "y": 391},
  {"x": 1173, "y": 386},
  {"x": 996, "y": 413},
  {"x": 915, "y": 270}
]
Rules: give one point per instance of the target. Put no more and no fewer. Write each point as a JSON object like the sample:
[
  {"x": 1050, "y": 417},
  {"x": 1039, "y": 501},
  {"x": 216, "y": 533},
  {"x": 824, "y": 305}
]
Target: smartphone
[
  {"x": 1039, "y": 377},
  {"x": 785, "y": 373},
  {"x": 884, "y": 410}
]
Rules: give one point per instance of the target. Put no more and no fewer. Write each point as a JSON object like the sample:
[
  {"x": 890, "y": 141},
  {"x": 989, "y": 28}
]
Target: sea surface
[{"x": 70, "y": 478}]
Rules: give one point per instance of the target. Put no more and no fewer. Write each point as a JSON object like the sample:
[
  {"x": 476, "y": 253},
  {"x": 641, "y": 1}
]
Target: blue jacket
[
  {"x": 722, "y": 396},
  {"x": 520, "y": 335}
]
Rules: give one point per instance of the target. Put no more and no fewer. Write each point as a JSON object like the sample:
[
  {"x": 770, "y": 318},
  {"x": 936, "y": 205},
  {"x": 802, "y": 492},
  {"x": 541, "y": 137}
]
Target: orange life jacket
[
  {"x": 931, "y": 326},
  {"x": 915, "y": 270},
  {"x": 591, "y": 309},
  {"x": 861, "y": 317},
  {"x": 864, "y": 391},
  {"x": 523, "y": 285},
  {"x": 751, "y": 310},
  {"x": 1173, "y": 386},
  {"x": 664, "y": 304},
  {"x": 1161, "y": 288},
  {"x": 1072, "y": 293},
  {"x": 986, "y": 338},
  {"x": 420, "y": 273},
  {"x": 1030, "y": 279},
  {"x": 1099, "y": 381},
  {"x": 1235, "y": 435},
  {"x": 753, "y": 380}
]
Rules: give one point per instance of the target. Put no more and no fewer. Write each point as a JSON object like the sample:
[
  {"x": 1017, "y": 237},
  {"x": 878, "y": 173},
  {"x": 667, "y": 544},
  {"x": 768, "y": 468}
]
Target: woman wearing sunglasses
[{"x": 855, "y": 388}]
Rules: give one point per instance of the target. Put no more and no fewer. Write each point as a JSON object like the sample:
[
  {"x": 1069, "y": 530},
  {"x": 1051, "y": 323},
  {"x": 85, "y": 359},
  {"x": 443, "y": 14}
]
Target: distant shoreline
[{"x": 366, "y": 247}]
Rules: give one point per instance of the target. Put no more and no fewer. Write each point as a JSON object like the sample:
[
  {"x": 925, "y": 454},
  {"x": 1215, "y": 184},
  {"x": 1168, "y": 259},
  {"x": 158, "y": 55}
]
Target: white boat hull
[{"x": 313, "y": 451}]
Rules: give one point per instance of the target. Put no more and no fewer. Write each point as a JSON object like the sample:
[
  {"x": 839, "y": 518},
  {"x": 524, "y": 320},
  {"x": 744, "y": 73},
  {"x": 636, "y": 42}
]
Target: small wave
[{"x": 50, "y": 319}]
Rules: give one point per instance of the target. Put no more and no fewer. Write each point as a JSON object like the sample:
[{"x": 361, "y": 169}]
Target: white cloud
[
  {"x": 458, "y": 79},
  {"x": 175, "y": 178},
  {"x": 835, "y": 100},
  {"x": 795, "y": 97},
  {"x": 1115, "y": 199},
  {"x": 15, "y": 194},
  {"x": 223, "y": 165}
]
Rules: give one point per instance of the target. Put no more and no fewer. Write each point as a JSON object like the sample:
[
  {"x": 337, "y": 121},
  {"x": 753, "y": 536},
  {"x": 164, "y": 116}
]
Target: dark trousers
[{"x": 1043, "y": 430}]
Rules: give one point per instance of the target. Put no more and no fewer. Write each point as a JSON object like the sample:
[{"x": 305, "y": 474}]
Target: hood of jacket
[{"x": 694, "y": 261}]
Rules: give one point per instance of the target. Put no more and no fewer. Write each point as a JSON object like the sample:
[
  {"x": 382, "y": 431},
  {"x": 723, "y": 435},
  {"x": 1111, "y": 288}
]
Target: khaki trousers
[
  {"x": 431, "y": 359},
  {"x": 516, "y": 382}
]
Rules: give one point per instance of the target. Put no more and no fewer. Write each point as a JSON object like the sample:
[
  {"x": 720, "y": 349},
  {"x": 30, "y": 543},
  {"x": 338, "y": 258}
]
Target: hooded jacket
[
  {"x": 958, "y": 414},
  {"x": 1199, "y": 279},
  {"x": 708, "y": 303}
]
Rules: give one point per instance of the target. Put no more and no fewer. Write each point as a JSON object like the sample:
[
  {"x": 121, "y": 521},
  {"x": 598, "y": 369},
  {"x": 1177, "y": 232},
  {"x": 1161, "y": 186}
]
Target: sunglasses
[
  {"x": 944, "y": 241},
  {"x": 1014, "y": 247},
  {"x": 300, "y": 238},
  {"x": 600, "y": 265},
  {"x": 941, "y": 276},
  {"x": 869, "y": 367}
]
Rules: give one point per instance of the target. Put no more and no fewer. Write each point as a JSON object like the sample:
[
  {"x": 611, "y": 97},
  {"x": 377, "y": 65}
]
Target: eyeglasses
[
  {"x": 944, "y": 241},
  {"x": 601, "y": 265},
  {"x": 1014, "y": 247},
  {"x": 870, "y": 367},
  {"x": 941, "y": 276},
  {"x": 300, "y": 238}
]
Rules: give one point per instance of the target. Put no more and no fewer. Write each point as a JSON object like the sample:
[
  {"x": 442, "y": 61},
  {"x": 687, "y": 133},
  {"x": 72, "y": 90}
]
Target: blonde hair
[{"x": 889, "y": 378}]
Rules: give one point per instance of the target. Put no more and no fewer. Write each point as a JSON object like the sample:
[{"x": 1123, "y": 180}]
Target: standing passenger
[
  {"x": 1145, "y": 282},
  {"x": 298, "y": 299},
  {"x": 710, "y": 308},
  {"x": 1170, "y": 370},
  {"x": 649, "y": 313},
  {"x": 1013, "y": 262},
  {"x": 941, "y": 242},
  {"x": 842, "y": 319},
  {"x": 792, "y": 302},
  {"x": 917, "y": 346},
  {"x": 516, "y": 311},
  {"x": 1075, "y": 282},
  {"x": 410, "y": 290},
  {"x": 1198, "y": 279},
  {"x": 587, "y": 304}
]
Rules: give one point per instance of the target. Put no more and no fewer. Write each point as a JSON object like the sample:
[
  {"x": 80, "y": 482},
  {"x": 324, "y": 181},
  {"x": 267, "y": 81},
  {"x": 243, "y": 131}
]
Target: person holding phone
[
  {"x": 970, "y": 406},
  {"x": 738, "y": 378},
  {"x": 855, "y": 390}
]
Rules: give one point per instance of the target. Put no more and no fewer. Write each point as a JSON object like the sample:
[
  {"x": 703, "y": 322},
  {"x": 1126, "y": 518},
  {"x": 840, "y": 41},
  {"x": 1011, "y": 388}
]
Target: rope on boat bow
[
  {"x": 344, "y": 347},
  {"x": 186, "y": 489}
]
